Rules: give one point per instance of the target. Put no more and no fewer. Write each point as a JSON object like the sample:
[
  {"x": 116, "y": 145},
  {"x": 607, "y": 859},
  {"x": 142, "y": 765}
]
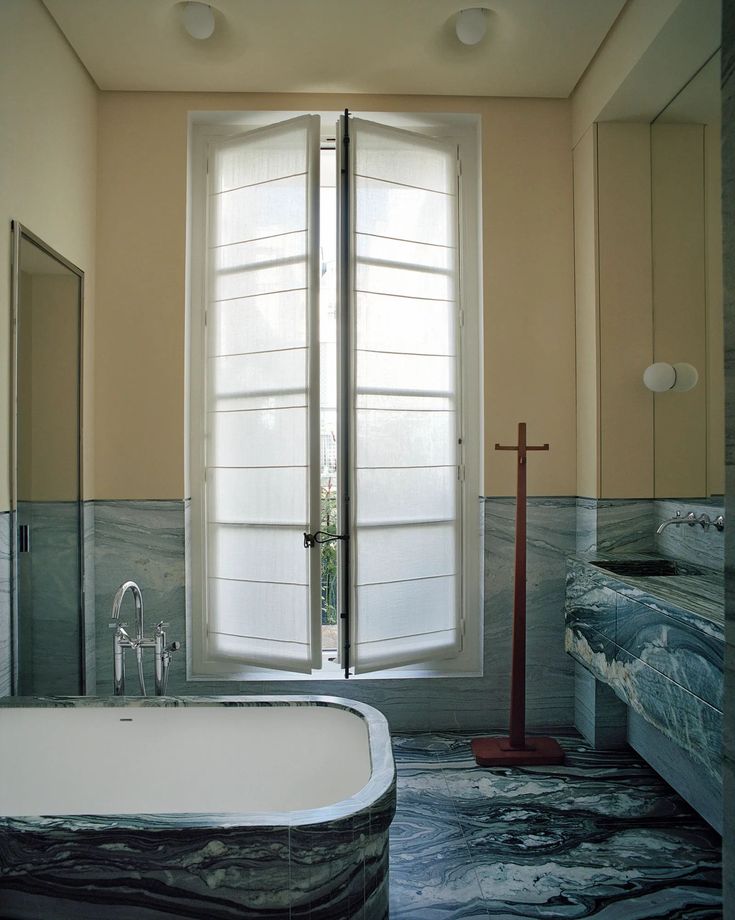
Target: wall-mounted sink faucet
[
  {"x": 692, "y": 520},
  {"x": 122, "y": 641}
]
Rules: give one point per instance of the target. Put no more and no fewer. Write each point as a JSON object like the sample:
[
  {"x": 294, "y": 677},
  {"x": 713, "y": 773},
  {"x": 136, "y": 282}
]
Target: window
[{"x": 267, "y": 464}]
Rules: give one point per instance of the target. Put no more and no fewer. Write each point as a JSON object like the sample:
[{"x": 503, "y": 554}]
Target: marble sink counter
[
  {"x": 689, "y": 598},
  {"x": 658, "y": 641}
]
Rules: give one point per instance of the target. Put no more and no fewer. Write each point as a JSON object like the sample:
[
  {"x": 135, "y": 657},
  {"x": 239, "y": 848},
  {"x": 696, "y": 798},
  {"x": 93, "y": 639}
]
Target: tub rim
[{"x": 381, "y": 782}]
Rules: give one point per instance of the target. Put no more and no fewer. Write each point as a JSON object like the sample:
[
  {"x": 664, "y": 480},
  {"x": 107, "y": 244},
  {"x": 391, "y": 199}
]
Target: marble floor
[{"x": 602, "y": 836}]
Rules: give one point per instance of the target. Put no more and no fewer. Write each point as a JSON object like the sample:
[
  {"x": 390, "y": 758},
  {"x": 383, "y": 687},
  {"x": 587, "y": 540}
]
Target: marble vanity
[{"x": 651, "y": 632}]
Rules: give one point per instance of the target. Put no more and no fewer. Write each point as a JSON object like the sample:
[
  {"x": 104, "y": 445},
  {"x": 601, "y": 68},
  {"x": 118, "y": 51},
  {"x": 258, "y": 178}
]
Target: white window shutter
[
  {"x": 403, "y": 395},
  {"x": 262, "y": 399}
]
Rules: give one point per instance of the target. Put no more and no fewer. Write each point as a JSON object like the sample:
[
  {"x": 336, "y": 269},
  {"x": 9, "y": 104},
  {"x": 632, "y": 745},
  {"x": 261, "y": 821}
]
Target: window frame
[{"x": 464, "y": 129}]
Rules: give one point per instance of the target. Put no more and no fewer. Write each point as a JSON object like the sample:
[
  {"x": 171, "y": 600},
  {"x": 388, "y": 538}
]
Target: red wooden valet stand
[{"x": 517, "y": 749}]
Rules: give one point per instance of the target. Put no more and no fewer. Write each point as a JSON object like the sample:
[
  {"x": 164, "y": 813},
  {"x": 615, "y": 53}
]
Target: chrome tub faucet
[{"x": 122, "y": 641}]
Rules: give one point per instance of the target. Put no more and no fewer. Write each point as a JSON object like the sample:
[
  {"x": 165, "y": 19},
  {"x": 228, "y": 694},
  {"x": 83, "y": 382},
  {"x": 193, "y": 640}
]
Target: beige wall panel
[
  {"x": 24, "y": 484},
  {"x": 529, "y": 293},
  {"x": 54, "y": 418},
  {"x": 587, "y": 317},
  {"x": 528, "y": 281},
  {"x": 48, "y": 157},
  {"x": 679, "y": 305},
  {"x": 630, "y": 37},
  {"x": 715, "y": 317},
  {"x": 624, "y": 223}
]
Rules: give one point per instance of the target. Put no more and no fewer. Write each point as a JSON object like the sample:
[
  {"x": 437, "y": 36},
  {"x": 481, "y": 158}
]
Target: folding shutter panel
[
  {"x": 404, "y": 445},
  {"x": 262, "y": 443}
]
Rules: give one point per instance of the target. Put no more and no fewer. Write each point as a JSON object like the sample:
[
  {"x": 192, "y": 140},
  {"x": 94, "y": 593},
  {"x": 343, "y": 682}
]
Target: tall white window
[{"x": 262, "y": 447}]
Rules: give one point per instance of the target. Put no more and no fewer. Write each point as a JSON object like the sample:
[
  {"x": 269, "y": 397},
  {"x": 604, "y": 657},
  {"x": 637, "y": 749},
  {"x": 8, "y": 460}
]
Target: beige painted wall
[
  {"x": 587, "y": 314},
  {"x": 528, "y": 281},
  {"x": 48, "y": 434},
  {"x": 715, "y": 313},
  {"x": 631, "y": 36},
  {"x": 48, "y": 162},
  {"x": 679, "y": 306},
  {"x": 626, "y": 406},
  {"x": 649, "y": 289},
  {"x": 614, "y": 324}
]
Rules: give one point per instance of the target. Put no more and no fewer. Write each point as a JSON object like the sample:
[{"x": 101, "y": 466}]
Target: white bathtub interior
[{"x": 159, "y": 760}]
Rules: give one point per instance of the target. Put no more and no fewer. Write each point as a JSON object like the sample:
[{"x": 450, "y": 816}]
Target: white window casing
[{"x": 413, "y": 395}]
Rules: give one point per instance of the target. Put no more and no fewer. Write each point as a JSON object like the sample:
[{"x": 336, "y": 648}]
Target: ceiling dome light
[
  {"x": 198, "y": 19},
  {"x": 471, "y": 26}
]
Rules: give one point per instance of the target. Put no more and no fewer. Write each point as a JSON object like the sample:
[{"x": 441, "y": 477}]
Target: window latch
[{"x": 321, "y": 536}]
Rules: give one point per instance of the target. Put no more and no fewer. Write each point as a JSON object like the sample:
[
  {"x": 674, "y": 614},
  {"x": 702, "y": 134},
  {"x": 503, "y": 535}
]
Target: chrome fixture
[
  {"x": 122, "y": 640},
  {"x": 692, "y": 520}
]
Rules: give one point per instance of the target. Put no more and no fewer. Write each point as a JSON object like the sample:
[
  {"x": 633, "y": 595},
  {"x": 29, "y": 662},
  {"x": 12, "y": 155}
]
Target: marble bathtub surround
[
  {"x": 658, "y": 642},
  {"x": 330, "y": 862}
]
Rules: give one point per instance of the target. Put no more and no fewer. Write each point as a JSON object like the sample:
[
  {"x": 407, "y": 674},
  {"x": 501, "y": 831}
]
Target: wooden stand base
[{"x": 497, "y": 752}]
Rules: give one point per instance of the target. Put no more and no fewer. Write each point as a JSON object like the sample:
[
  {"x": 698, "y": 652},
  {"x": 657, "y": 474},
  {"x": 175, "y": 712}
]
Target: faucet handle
[
  {"x": 719, "y": 522},
  {"x": 173, "y": 647}
]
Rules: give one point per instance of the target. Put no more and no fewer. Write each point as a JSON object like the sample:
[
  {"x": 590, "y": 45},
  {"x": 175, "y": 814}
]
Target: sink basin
[{"x": 643, "y": 568}]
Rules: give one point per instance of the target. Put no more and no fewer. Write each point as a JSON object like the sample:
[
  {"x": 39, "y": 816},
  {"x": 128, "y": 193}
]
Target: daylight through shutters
[
  {"x": 398, "y": 398},
  {"x": 262, "y": 401}
]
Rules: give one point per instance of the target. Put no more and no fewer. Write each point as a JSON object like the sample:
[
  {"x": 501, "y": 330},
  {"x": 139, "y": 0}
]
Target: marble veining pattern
[
  {"x": 50, "y": 599},
  {"x": 601, "y": 836},
  {"x": 146, "y": 541},
  {"x": 5, "y": 633},
  {"x": 728, "y": 227},
  {"x": 329, "y": 863},
  {"x": 614, "y": 525},
  {"x": 658, "y": 643},
  {"x": 682, "y": 541}
]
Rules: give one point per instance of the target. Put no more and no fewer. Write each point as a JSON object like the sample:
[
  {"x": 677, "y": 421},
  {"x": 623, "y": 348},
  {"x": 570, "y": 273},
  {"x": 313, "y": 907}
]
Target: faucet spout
[
  {"x": 677, "y": 519},
  {"x": 138, "y": 600},
  {"x": 122, "y": 640}
]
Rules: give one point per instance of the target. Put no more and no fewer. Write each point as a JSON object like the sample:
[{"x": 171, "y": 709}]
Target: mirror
[
  {"x": 48, "y": 626},
  {"x": 687, "y": 283}
]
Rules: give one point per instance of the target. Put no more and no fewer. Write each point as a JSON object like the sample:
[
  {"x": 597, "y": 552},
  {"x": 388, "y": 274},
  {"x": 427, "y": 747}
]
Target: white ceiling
[{"x": 532, "y": 47}]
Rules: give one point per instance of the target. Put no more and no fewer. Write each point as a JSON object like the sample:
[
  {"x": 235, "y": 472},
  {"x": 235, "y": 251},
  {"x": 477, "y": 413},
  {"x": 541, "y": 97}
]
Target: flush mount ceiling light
[
  {"x": 198, "y": 19},
  {"x": 471, "y": 25},
  {"x": 661, "y": 376}
]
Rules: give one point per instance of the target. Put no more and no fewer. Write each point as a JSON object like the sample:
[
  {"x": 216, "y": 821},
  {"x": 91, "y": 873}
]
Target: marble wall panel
[
  {"x": 728, "y": 227},
  {"x": 50, "y": 608},
  {"x": 89, "y": 623},
  {"x": 702, "y": 547},
  {"x": 5, "y": 627},
  {"x": 146, "y": 542},
  {"x": 614, "y": 525},
  {"x": 143, "y": 542}
]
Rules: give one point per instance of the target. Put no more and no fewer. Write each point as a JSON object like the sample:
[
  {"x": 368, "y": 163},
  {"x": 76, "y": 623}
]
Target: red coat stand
[{"x": 517, "y": 749}]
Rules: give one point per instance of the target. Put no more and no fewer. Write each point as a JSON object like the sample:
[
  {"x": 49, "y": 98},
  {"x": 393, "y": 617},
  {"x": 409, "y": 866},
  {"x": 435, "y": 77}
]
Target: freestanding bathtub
[{"x": 194, "y": 807}]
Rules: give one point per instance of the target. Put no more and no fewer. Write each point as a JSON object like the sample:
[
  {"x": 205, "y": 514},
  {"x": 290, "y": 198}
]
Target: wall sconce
[
  {"x": 198, "y": 19},
  {"x": 661, "y": 376},
  {"x": 471, "y": 25}
]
